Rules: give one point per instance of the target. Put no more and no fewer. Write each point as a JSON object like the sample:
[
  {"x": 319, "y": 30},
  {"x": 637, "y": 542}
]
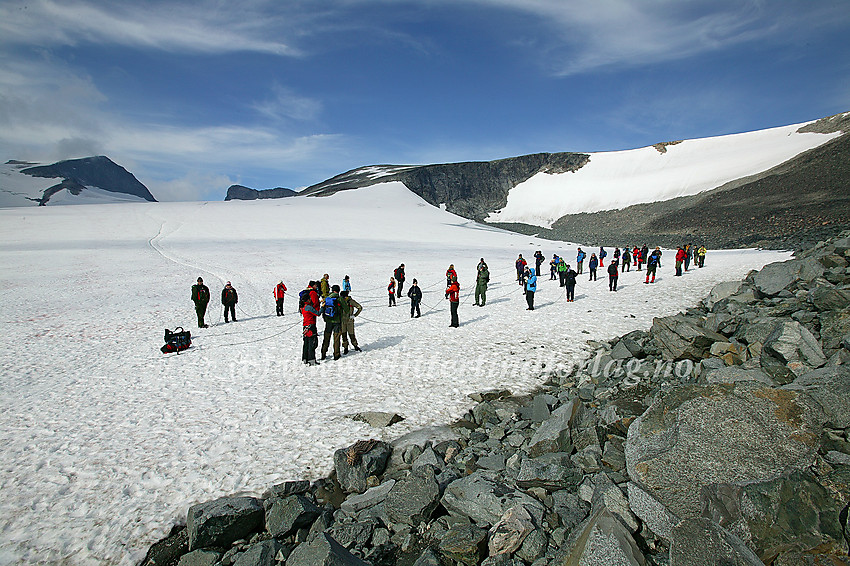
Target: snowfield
[
  {"x": 617, "y": 179},
  {"x": 105, "y": 442}
]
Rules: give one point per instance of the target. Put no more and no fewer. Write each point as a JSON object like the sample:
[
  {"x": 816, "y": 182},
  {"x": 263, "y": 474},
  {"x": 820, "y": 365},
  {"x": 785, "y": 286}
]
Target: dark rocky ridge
[
  {"x": 719, "y": 436},
  {"x": 99, "y": 171},
  {"x": 471, "y": 189},
  {"x": 239, "y": 192},
  {"x": 793, "y": 205}
]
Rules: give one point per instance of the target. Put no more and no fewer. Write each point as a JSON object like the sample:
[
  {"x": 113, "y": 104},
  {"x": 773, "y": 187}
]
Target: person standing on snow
[
  {"x": 637, "y": 258},
  {"x": 481, "y": 282},
  {"x": 391, "y": 291},
  {"x": 538, "y": 260},
  {"x": 602, "y": 255},
  {"x": 201, "y": 298},
  {"x": 530, "y": 287},
  {"x": 229, "y": 298},
  {"x": 613, "y": 275},
  {"x": 701, "y": 256},
  {"x": 570, "y": 283},
  {"x": 325, "y": 285},
  {"x": 652, "y": 263},
  {"x": 580, "y": 255},
  {"x": 415, "y": 294},
  {"x": 617, "y": 255},
  {"x": 689, "y": 251},
  {"x": 451, "y": 275},
  {"x": 562, "y": 271},
  {"x": 680, "y": 258},
  {"x": 592, "y": 264},
  {"x": 279, "y": 292},
  {"x": 453, "y": 295},
  {"x": 627, "y": 259},
  {"x": 520, "y": 269},
  {"x": 332, "y": 315},
  {"x": 346, "y": 284},
  {"x": 644, "y": 254},
  {"x": 399, "y": 277},
  {"x": 553, "y": 268},
  {"x": 308, "y": 306},
  {"x": 346, "y": 303}
]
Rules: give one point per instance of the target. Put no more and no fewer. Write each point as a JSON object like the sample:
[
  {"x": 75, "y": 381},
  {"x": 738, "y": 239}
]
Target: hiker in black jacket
[
  {"x": 399, "y": 277},
  {"x": 229, "y": 298},
  {"x": 570, "y": 283},
  {"x": 201, "y": 298},
  {"x": 415, "y": 294}
]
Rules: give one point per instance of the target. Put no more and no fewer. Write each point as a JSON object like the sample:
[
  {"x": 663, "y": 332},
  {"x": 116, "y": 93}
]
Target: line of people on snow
[{"x": 338, "y": 309}]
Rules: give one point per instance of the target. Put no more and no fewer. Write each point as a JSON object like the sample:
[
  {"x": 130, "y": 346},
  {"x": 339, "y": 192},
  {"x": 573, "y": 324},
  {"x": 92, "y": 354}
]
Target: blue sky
[{"x": 194, "y": 96}]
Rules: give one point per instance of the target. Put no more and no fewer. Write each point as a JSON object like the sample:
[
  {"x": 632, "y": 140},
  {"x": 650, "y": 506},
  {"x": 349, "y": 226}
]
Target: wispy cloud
[{"x": 284, "y": 103}]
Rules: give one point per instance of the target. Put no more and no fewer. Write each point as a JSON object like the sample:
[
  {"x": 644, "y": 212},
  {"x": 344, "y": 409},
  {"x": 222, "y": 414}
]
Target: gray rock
[
  {"x": 221, "y": 521},
  {"x": 353, "y": 467},
  {"x": 699, "y": 435},
  {"x": 790, "y": 513},
  {"x": 776, "y": 277},
  {"x": 550, "y": 471},
  {"x": 570, "y": 508},
  {"x": 377, "y": 419},
  {"x": 652, "y": 512},
  {"x": 510, "y": 531},
  {"x": 169, "y": 549},
  {"x": 735, "y": 374},
  {"x": 413, "y": 499},
  {"x": 428, "y": 558},
  {"x": 485, "y": 500},
  {"x": 830, "y": 387},
  {"x": 466, "y": 544},
  {"x": 286, "y": 489},
  {"x": 322, "y": 551},
  {"x": 829, "y": 298},
  {"x": 539, "y": 409},
  {"x": 701, "y": 542},
  {"x": 553, "y": 435},
  {"x": 492, "y": 462},
  {"x": 533, "y": 547},
  {"x": 371, "y": 497},
  {"x": 356, "y": 535},
  {"x": 199, "y": 557},
  {"x": 289, "y": 514},
  {"x": 604, "y": 541},
  {"x": 834, "y": 329},
  {"x": 792, "y": 343},
  {"x": 722, "y": 291},
  {"x": 260, "y": 554},
  {"x": 428, "y": 458},
  {"x": 679, "y": 337},
  {"x": 606, "y": 494}
]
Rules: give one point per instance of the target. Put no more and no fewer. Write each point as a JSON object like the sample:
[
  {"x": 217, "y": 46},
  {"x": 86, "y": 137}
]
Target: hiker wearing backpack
[
  {"x": 644, "y": 255},
  {"x": 346, "y": 284},
  {"x": 627, "y": 259},
  {"x": 580, "y": 255},
  {"x": 538, "y": 257},
  {"x": 481, "y": 282},
  {"x": 652, "y": 263},
  {"x": 347, "y": 304},
  {"x": 399, "y": 277},
  {"x": 680, "y": 259},
  {"x": 553, "y": 267},
  {"x": 332, "y": 315},
  {"x": 562, "y": 271},
  {"x": 530, "y": 287},
  {"x": 613, "y": 275},
  {"x": 391, "y": 291},
  {"x": 451, "y": 275},
  {"x": 415, "y": 294},
  {"x": 308, "y": 306},
  {"x": 570, "y": 284},
  {"x": 453, "y": 295},
  {"x": 201, "y": 298},
  {"x": 591, "y": 266},
  {"x": 279, "y": 292},
  {"x": 602, "y": 255},
  {"x": 520, "y": 270},
  {"x": 229, "y": 298}
]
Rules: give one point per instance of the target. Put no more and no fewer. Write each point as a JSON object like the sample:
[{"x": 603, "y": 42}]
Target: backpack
[
  {"x": 303, "y": 298},
  {"x": 331, "y": 304},
  {"x": 176, "y": 341}
]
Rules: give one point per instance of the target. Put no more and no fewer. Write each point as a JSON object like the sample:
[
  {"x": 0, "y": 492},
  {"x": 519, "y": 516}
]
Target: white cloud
[{"x": 285, "y": 103}]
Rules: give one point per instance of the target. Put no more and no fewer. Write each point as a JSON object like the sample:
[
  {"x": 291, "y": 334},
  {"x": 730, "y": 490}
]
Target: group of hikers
[{"x": 334, "y": 304}]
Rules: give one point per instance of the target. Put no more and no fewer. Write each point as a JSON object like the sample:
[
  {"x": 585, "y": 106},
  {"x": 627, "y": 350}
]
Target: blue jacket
[
  {"x": 594, "y": 263},
  {"x": 531, "y": 283},
  {"x": 580, "y": 256}
]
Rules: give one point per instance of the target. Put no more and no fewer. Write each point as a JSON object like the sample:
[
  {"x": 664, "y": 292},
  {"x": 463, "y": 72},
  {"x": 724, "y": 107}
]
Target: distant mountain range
[
  {"x": 783, "y": 187},
  {"x": 74, "y": 181}
]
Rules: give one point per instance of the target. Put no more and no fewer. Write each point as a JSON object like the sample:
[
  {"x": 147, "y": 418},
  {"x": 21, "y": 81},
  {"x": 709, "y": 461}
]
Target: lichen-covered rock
[
  {"x": 792, "y": 343},
  {"x": 699, "y": 435},
  {"x": 830, "y": 387}
]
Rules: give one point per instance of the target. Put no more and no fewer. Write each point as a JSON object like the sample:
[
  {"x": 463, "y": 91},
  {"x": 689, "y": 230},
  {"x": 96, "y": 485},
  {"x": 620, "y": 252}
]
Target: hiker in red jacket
[
  {"x": 453, "y": 293},
  {"x": 279, "y": 292},
  {"x": 680, "y": 257},
  {"x": 520, "y": 269},
  {"x": 308, "y": 301}
]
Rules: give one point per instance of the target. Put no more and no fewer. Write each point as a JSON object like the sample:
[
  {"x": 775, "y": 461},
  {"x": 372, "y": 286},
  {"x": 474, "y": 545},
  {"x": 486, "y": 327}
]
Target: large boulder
[
  {"x": 485, "y": 500},
  {"x": 776, "y": 277},
  {"x": 553, "y": 434},
  {"x": 260, "y": 554},
  {"x": 830, "y": 387},
  {"x": 466, "y": 544},
  {"x": 356, "y": 463},
  {"x": 792, "y": 343},
  {"x": 603, "y": 541},
  {"x": 701, "y": 542},
  {"x": 322, "y": 551},
  {"x": 413, "y": 499},
  {"x": 286, "y": 515},
  {"x": 724, "y": 433},
  {"x": 551, "y": 471},
  {"x": 834, "y": 328},
  {"x": 789, "y": 513},
  {"x": 680, "y": 337},
  {"x": 219, "y": 522}
]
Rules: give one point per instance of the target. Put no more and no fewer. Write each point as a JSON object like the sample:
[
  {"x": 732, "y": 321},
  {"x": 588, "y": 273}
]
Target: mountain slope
[
  {"x": 74, "y": 181},
  {"x": 240, "y": 192}
]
